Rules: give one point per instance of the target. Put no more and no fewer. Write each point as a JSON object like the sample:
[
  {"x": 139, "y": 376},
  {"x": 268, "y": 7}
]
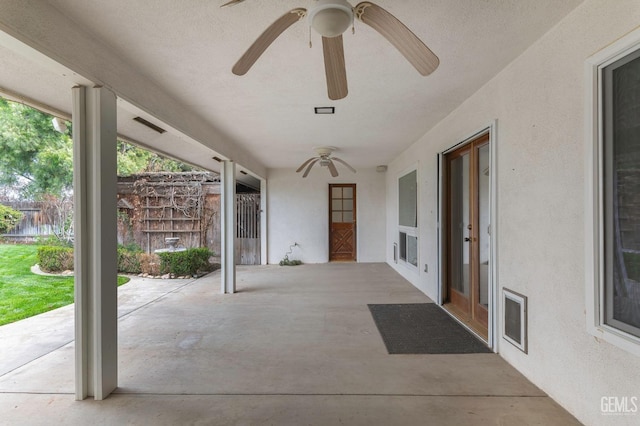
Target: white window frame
[
  {"x": 409, "y": 230},
  {"x": 594, "y": 207}
]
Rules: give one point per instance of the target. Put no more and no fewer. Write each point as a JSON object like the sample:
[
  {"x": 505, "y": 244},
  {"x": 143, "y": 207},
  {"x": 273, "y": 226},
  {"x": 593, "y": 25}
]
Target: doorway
[
  {"x": 467, "y": 248},
  {"x": 342, "y": 222}
]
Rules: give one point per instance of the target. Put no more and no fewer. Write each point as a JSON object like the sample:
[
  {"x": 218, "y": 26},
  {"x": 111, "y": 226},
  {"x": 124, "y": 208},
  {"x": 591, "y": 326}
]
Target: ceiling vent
[
  {"x": 325, "y": 110},
  {"x": 149, "y": 125}
]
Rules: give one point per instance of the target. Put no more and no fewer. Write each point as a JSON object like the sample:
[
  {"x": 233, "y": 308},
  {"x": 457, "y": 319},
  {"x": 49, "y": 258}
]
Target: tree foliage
[
  {"x": 133, "y": 160},
  {"x": 9, "y": 218},
  {"x": 38, "y": 161},
  {"x": 35, "y": 158}
]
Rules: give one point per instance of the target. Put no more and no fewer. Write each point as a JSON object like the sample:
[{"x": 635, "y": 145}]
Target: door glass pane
[
  {"x": 347, "y": 192},
  {"x": 336, "y": 217},
  {"x": 336, "y": 204},
  {"x": 347, "y": 217},
  {"x": 347, "y": 205},
  {"x": 459, "y": 204},
  {"x": 336, "y": 192},
  {"x": 483, "y": 223}
]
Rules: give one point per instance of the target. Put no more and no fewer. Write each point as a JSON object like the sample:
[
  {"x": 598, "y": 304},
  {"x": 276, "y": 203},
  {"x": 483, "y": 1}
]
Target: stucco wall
[
  {"x": 538, "y": 101},
  {"x": 298, "y": 212}
]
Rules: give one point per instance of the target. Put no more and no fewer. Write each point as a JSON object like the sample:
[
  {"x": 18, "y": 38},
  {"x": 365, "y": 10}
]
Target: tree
[
  {"x": 38, "y": 161},
  {"x": 133, "y": 160},
  {"x": 9, "y": 218},
  {"x": 35, "y": 158}
]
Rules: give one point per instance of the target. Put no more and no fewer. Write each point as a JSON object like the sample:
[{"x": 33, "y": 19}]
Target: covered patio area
[{"x": 295, "y": 345}]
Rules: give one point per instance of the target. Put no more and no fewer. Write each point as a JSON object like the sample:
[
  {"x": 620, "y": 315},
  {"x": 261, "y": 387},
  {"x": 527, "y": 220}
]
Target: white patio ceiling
[{"x": 188, "y": 47}]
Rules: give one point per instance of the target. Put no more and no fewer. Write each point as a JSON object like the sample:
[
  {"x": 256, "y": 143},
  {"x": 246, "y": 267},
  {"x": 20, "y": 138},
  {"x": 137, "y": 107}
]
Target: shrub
[
  {"x": 55, "y": 258},
  {"x": 133, "y": 261},
  {"x": 290, "y": 262},
  {"x": 128, "y": 259},
  {"x": 9, "y": 218},
  {"x": 149, "y": 263},
  {"x": 131, "y": 247},
  {"x": 52, "y": 240},
  {"x": 188, "y": 262}
]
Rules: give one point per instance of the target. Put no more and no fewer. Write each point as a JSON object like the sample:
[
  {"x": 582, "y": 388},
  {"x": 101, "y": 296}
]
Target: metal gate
[{"x": 247, "y": 229}]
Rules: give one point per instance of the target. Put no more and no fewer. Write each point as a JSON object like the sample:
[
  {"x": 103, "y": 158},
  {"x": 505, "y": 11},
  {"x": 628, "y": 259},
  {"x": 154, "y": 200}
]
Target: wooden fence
[
  {"x": 155, "y": 206},
  {"x": 35, "y": 223}
]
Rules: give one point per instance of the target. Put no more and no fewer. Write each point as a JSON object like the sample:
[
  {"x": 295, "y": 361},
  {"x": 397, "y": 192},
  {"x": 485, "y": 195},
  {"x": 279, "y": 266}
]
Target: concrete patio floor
[{"x": 295, "y": 345}]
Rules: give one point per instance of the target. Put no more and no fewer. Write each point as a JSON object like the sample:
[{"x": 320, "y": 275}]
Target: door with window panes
[
  {"x": 468, "y": 233},
  {"x": 342, "y": 222}
]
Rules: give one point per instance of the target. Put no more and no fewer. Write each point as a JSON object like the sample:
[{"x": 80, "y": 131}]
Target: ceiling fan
[
  {"x": 331, "y": 18},
  {"x": 325, "y": 159}
]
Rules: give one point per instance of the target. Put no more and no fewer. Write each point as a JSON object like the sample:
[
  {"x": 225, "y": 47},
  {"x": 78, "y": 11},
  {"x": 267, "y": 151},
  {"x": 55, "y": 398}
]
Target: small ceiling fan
[
  {"x": 325, "y": 159},
  {"x": 331, "y": 18}
]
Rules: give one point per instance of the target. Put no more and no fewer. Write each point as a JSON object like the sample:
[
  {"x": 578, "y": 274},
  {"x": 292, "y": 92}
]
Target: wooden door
[
  {"x": 467, "y": 233},
  {"x": 342, "y": 222}
]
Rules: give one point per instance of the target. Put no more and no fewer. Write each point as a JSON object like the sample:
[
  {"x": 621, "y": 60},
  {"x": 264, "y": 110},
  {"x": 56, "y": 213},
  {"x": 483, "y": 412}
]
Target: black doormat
[{"x": 423, "y": 328}]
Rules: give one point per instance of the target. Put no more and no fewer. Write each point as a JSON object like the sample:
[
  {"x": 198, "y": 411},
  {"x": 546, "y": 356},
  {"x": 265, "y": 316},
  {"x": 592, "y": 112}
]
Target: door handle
[{"x": 467, "y": 239}]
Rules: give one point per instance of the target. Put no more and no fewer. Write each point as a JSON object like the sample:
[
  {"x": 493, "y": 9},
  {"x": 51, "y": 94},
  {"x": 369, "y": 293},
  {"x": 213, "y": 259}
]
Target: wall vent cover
[{"x": 514, "y": 321}]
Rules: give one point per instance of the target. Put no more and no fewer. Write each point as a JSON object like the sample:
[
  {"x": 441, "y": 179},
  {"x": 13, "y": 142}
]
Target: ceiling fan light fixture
[
  {"x": 324, "y": 159},
  {"x": 330, "y": 18},
  {"x": 324, "y": 151}
]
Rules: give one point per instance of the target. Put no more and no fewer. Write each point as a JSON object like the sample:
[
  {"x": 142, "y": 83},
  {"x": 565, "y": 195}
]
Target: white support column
[
  {"x": 264, "y": 259},
  {"x": 228, "y": 218},
  {"x": 95, "y": 206}
]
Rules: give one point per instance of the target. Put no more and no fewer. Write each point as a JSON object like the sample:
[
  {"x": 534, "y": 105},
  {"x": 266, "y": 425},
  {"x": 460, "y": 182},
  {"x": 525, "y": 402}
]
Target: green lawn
[{"x": 24, "y": 294}]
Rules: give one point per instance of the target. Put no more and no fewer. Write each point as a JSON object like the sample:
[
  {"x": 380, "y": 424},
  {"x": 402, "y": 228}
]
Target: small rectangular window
[
  {"x": 408, "y": 200},
  {"x": 402, "y": 242},
  {"x": 408, "y": 218},
  {"x": 412, "y": 250}
]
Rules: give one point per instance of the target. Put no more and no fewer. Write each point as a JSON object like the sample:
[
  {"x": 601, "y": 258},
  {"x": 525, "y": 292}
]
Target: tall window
[
  {"x": 408, "y": 218},
  {"x": 621, "y": 194}
]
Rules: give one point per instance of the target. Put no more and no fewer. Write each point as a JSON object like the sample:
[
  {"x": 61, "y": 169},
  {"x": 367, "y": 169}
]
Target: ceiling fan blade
[
  {"x": 232, "y": 3},
  {"x": 332, "y": 168},
  {"x": 266, "y": 38},
  {"x": 345, "y": 163},
  {"x": 334, "y": 67},
  {"x": 304, "y": 164},
  {"x": 306, "y": 172},
  {"x": 411, "y": 47}
]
